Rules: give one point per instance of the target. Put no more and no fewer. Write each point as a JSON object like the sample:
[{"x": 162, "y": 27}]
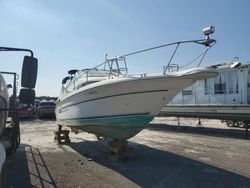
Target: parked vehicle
[
  {"x": 9, "y": 129},
  {"x": 46, "y": 108},
  {"x": 25, "y": 111}
]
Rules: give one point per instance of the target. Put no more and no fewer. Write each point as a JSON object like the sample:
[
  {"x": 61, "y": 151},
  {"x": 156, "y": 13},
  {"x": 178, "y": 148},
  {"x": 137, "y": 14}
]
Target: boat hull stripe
[
  {"x": 122, "y": 94},
  {"x": 113, "y": 116}
]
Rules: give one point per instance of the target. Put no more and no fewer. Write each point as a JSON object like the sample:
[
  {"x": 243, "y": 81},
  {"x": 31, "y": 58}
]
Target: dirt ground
[{"x": 211, "y": 155}]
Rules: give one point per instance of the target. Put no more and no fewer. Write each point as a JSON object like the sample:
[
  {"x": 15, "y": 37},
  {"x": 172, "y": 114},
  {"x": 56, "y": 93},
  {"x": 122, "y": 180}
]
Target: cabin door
[
  {"x": 248, "y": 93},
  {"x": 248, "y": 87}
]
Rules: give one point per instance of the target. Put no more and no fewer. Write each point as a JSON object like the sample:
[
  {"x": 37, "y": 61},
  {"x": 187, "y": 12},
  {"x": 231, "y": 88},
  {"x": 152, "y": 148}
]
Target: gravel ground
[{"x": 164, "y": 155}]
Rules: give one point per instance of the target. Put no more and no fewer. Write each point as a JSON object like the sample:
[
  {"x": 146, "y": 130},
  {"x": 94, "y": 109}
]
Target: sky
[{"x": 77, "y": 34}]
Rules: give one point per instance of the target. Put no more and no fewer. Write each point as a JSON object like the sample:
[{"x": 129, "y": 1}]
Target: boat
[{"x": 109, "y": 102}]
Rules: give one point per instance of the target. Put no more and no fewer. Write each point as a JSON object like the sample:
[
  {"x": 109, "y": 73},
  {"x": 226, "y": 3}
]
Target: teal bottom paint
[{"x": 118, "y": 127}]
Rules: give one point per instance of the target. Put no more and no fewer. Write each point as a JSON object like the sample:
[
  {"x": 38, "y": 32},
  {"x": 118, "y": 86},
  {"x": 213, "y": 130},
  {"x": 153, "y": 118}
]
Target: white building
[{"x": 231, "y": 86}]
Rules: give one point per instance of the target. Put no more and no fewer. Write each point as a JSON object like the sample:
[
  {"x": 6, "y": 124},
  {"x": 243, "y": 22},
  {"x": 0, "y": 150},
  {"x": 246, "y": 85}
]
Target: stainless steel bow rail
[{"x": 113, "y": 64}]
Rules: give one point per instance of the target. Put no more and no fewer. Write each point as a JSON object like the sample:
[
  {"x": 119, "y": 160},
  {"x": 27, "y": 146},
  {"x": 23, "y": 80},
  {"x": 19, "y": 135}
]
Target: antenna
[{"x": 207, "y": 31}]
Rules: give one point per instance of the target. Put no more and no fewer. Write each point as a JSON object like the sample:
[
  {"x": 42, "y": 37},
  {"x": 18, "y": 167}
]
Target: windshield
[
  {"x": 88, "y": 73},
  {"x": 93, "y": 73}
]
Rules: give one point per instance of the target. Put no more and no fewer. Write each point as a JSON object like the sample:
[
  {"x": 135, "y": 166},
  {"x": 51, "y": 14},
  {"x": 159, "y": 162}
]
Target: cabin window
[
  {"x": 187, "y": 92},
  {"x": 86, "y": 83}
]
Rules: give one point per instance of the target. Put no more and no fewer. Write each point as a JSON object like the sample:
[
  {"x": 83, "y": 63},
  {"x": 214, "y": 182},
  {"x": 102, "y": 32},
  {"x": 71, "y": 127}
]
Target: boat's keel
[{"x": 119, "y": 150}]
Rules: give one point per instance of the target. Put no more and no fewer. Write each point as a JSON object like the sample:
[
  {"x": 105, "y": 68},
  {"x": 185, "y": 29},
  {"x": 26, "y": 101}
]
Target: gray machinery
[{"x": 9, "y": 120}]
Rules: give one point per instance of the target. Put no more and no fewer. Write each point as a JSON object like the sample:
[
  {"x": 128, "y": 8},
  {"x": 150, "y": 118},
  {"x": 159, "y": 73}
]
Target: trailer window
[
  {"x": 187, "y": 92},
  {"x": 220, "y": 88},
  {"x": 220, "y": 84},
  {"x": 207, "y": 86}
]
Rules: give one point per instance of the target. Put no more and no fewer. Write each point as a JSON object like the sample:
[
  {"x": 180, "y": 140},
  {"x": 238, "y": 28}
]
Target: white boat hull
[
  {"x": 105, "y": 108},
  {"x": 132, "y": 97}
]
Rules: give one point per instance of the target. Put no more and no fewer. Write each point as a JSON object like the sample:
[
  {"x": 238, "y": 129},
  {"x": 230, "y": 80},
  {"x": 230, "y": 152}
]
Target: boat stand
[
  {"x": 178, "y": 124},
  {"x": 119, "y": 150},
  {"x": 199, "y": 124},
  {"x": 61, "y": 136}
]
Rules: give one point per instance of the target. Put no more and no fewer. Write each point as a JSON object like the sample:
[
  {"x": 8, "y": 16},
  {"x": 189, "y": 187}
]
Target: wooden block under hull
[
  {"x": 61, "y": 136},
  {"x": 119, "y": 150}
]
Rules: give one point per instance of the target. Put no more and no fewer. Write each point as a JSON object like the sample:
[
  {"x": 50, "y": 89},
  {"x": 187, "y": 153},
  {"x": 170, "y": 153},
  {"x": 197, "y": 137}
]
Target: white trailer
[{"x": 231, "y": 86}]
